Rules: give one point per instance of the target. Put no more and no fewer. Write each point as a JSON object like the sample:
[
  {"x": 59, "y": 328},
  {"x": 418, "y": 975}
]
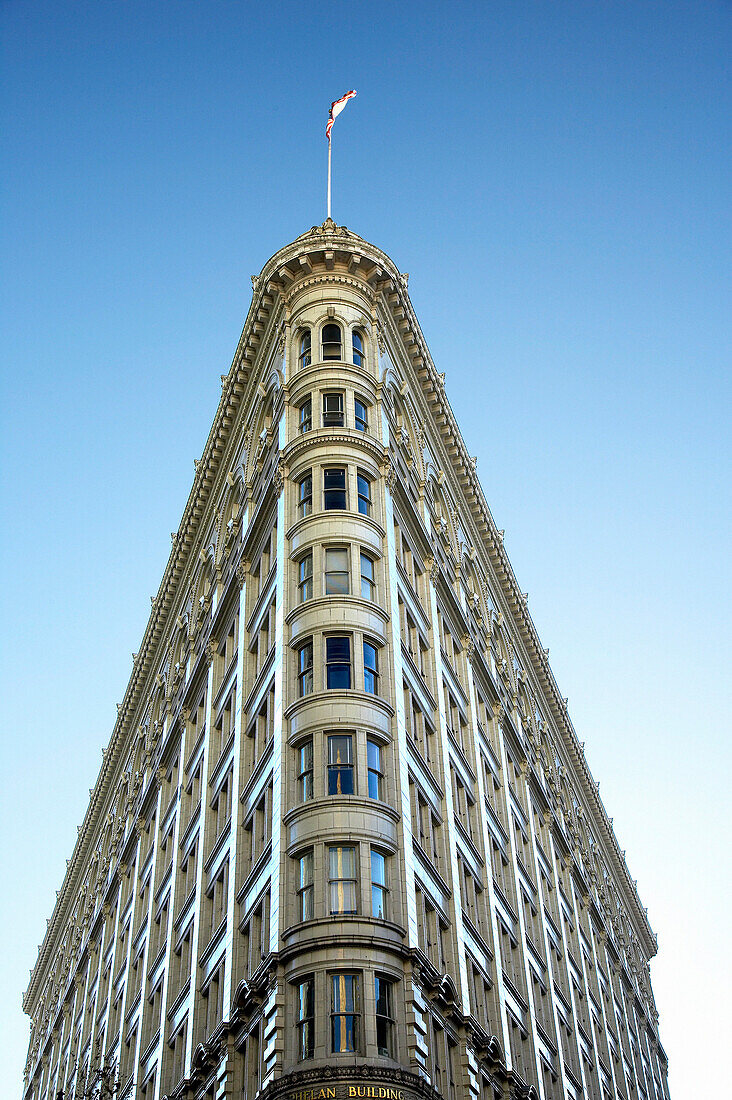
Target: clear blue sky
[{"x": 555, "y": 177}]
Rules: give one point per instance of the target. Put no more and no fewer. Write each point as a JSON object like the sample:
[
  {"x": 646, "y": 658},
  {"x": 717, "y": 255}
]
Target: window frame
[
  {"x": 379, "y": 889},
  {"x": 330, "y": 573},
  {"x": 339, "y": 1011},
  {"x": 333, "y": 663},
  {"x": 305, "y": 773},
  {"x": 305, "y": 495},
  {"x": 305, "y": 348},
  {"x": 340, "y": 768},
  {"x": 377, "y": 771},
  {"x": 342, "y": 883},
  {"x": 305, "y": 419},
  {"x": 306, "y": 887},
  {"x": 306, "y": 1020},
  {"x": 358, "y": 354},
  {"x": 386, "y": 1018},
  {"x": 330, "y": 343},
  {"x": 305, "y": 670},
  {"x": 360, "y": 423},
  {"x": 371, "y": 672},
  {"x": 333, "y": 418},
  {"x": 365, "y": 579},
  {"x": 305, "y": 580},
  {"x": 365, "y": 500},
  {"x": 328, "y": 507}
]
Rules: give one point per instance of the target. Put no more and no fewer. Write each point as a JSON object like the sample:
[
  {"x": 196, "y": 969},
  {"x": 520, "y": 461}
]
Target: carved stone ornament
[
  {"x": 390, "y": 474},
  {"x": 212, "y": 648},
  {"x": 242, "y": 569},
  {"x": 433, "y": 568},
  {"x": 380, "y": 341},
  {"x": 406, "y": 445},
  {"x": 279, "y": 475},
  {"x": 469, "y": 645}
]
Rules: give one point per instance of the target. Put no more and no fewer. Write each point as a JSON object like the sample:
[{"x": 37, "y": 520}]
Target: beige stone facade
[{"x": 344, "y": 842}]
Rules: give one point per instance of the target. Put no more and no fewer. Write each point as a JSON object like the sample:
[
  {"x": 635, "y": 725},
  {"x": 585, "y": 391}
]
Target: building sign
[{"x": 344, "y": 1090}]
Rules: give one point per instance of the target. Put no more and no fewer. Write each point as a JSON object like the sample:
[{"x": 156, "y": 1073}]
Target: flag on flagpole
[{"x": 335, "y": 109}]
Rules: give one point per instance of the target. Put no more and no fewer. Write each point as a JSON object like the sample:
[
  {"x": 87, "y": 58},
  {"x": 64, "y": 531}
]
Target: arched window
[
  {"x": 331, "y": 342},
  {"x": 358, "y": 355},
  {"x": 305, "y": 358}
]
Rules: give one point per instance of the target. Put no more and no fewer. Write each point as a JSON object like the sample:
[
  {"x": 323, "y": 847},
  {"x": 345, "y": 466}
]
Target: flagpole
[{"x": 328, "y": 175}]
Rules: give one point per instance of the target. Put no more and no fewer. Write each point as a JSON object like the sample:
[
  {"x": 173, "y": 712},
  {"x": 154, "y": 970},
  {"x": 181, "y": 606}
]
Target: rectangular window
[
  {"x": 306, "y": 889},
  {"x": 332, "y": 410},
  {"x": 342, "y": 880},
  {"x": 305, "y": 495},
  {"x": 373, "y": 752},
  {"x": 340, "y": 764},
  {"x": 305, "y": 668},
  {"x": 336, "y": 571},
  {"x": 378, "y": 885},
  {"x": 305, "y": 776},
  {"x": 306, "y": 1019},
  {"x": 384, "y": 1015},
  {"x": 338, "y": 662},
  {"x": 306, "y": 416},
  {"x": 370, "y": 669},
  {"x": 305, "y": 578},
  {"x": 364, "y": 494},
  {"x": 344, "y": 1013},
  {"x": 357, "y": 344},
  {"x": 368, "y": 585},
  {"x": 334, "y": 488},
  {"x": 361, "y": 415}
]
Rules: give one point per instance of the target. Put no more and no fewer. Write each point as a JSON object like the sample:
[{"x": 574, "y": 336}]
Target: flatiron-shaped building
[{"x": 344, "y": 842}]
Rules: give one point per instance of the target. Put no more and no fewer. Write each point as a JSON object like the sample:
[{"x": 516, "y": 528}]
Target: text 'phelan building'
[{"x": 344, "y": 842}]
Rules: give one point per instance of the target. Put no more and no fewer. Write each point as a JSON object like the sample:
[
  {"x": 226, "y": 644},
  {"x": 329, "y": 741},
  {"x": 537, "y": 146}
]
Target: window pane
[
  {"x": 334, "y": 478},
  {"x": 367, "y": 577},
  {"x": 383, "y": 996},
  {"x": 378, "y": 868},
  {"x": 357, "y": 349},
  {"x": 340, "y": 779},
  {"x": 333, "y": 410},
  {"x": 305, "y": 356},
  {"x": 306, "y": 416},
  {"x": 306, "y": 577},
  {"x": 338, "y": 662},
  {"x": 343, "y": 897},
  {"x": 342, "y": 862},
  {"x": 306, "y": 495},
  {"x": 340, "y": 765},
  {"x": 364, "y": 495},
  {"x": 344, "y": 1015},
  {"x": 374, "y": 769},
  {"x": 331, "y": 342},
  {"x": 305, "y": 668},
  {"x": 305, "y": 1018},
  {"x": 306, "y": 771},
  {"x": 334, "y": 485},
  {"x": 336, "y": 572},
  {"x": 360, "y": 420},
  {"x": 340, "y": 749},
  {"x": 369, "y": 668}
]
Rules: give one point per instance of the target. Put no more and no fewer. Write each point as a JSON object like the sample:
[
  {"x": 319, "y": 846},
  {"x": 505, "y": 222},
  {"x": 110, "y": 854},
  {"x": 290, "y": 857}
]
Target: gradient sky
[{"x": 555, "y": 177}]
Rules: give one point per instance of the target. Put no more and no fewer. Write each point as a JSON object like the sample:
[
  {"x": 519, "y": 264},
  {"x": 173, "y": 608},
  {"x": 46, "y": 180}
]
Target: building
[{"x": 344, "y": 842}]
